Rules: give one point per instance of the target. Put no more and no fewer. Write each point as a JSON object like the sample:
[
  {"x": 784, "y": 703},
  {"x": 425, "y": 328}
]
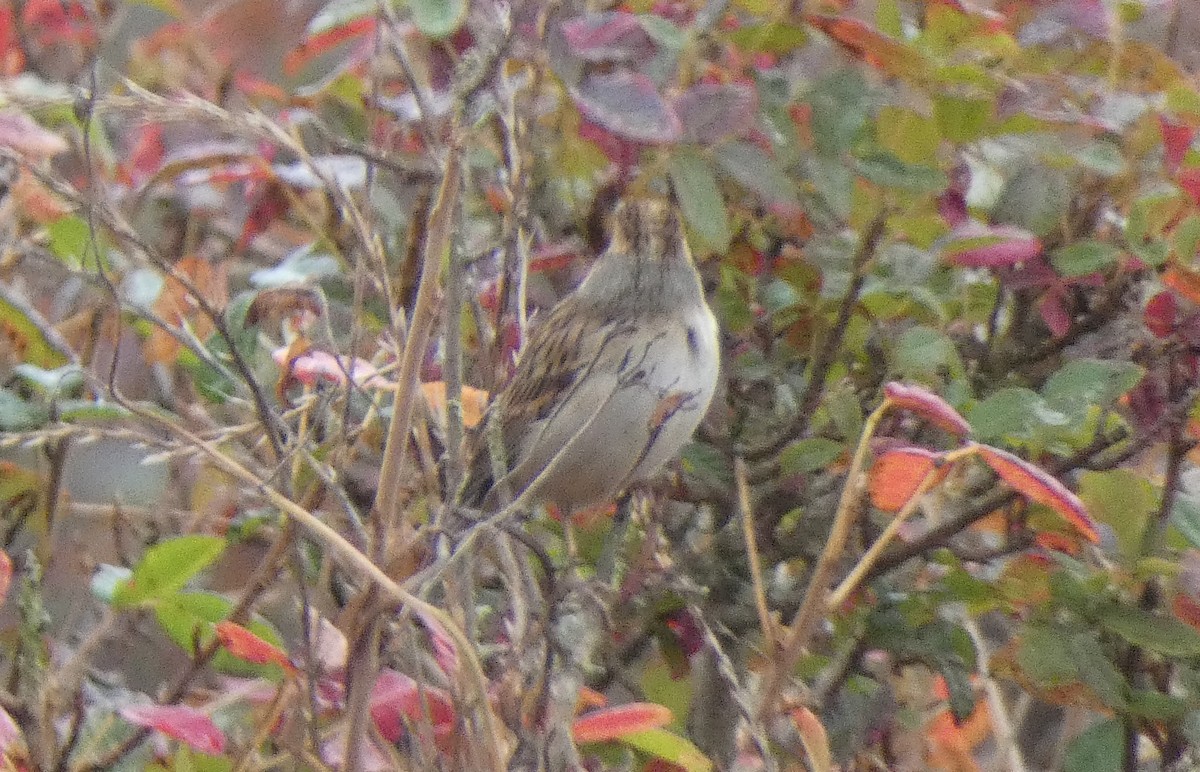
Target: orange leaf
[
  {"x": 591, "y": 698},
  {"x": 815, "y": 738},
  {"x": 871, "y": 46},
  {"x": 1186, "y": 608},
  {"x": 247, "y": 646},
  {"x": 927, "y": 405},
  {"x": 896, "y": 475},
  {"x": 323, "y": 42},
  {"x": 474, "y": 402},
  {"x": 1183, "y": 281},
  {"x": 1036, "y": 485},
  {"x": 617, "y": 722}
]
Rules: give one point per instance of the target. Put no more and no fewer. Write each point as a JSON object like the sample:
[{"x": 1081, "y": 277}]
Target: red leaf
[
  {"x": 6, "y": 573},
  {"x": 247, "y": 646},
  {"x": 1161, "y": 314},
  {"x": 629, "y": 105},
  {"x": 1189, "y": 180},
  {"x": 363, "y": 27},
  {"x": 145, "y": 155},
  {"x": 397, "y": 700},
  {"x": 1054, "y": 314},
  {"x": 711, "y": 112},
  {"x": 608, "y": 36},
  {"x": 188, "y": 725},
  {"x": 553, "y": 257},
  {"x": 980, "y": 246},
  {"x": 1035, "y": 484},
  {"x": 927, "y": 405},
  {"x": 616, "y": 722},
  {"x": 1177, "y": 140},
  {"x": 896, "y": 475},
  {"x": 312, "y": 367}
]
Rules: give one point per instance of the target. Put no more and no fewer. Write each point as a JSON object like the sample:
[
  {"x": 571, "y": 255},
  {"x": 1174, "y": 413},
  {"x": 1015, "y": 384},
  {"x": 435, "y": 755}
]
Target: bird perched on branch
[{"x": 613, "y": 382}]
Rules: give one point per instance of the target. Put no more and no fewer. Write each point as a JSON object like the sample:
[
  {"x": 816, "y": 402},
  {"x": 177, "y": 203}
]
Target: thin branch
[
  {"x": 830, "y": 347},
  {"x": 745, "y": 509},
  {"x": 437, "y": 241},
  {"x": 813, "y": 606}
]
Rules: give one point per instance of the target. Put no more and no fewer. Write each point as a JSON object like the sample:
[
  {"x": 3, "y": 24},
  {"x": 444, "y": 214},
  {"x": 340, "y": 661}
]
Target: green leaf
[
  {"x": 1043, "y": 657},
  {"x": 663, "y": 31},
  {"x": 1122, "y": 500},
  {"x": 71, "y": 240},
  {"x": 1162, "y": 635},
  {"x": 706, "y": 462},
  {"x": 1097, "y": 671},
  {"x": 773, "y": 37},
  {"x": 25, "y": 330},
  {"x": 51, "y": 383},
  {"x": 1100, "y": 748},
  {"x": 923, "y": 353},
  {"x": 1083, "y": 383},
  {"x": 1085, "y": 257},
  {"x": 841, "y": 105},
  {"x": 1186, "y": 239},
  {"x": 960, "y": 119},
  {"x": 1036, "y": 198},
  {"x": 670, "y": 747},
  {"x": 1185, "y": 516},
  {"x": 809, "y": 455},
  {"x": 301, "y": 266},
  {"x": 1013, "y": 413},
  {"x": 167, "y": 567},
  {"x": 908, "y": 135},
  {"x": 1156, "y": 706},
  {"x": 700, "y": 198},
  {"x": 17, "y": 415},
  {"x": 888, "y": 18},
  {"x": 883, "y": 168},
  {"x": 438, "y": 18},
  {"x": 188, "y": 619},
  {"x": 1101, "y": 156},
  {"x": 756, "y": 171},
  {"x": 90, "y": 410}
]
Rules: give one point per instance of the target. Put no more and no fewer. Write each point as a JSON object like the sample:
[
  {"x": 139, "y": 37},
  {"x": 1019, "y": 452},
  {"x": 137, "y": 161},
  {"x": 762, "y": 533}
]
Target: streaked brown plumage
[{"x": 614, "y": 380}]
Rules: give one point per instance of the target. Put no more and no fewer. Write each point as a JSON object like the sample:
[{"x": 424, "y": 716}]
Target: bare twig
[
  {"x": 746, "y": 511},
  {"x": 815, "y": 603}
]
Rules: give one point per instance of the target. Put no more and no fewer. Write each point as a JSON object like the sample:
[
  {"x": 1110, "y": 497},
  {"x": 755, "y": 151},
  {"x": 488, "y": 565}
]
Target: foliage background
[{"x": 263, "y": 262}]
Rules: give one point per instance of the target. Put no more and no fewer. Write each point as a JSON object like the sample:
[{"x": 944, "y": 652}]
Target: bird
[{"x": 612, "y": 382}]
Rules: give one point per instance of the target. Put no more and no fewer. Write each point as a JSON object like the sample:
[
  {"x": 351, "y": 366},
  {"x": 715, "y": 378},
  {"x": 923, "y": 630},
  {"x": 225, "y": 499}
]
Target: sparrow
[{"x": 613, "y": 382}]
